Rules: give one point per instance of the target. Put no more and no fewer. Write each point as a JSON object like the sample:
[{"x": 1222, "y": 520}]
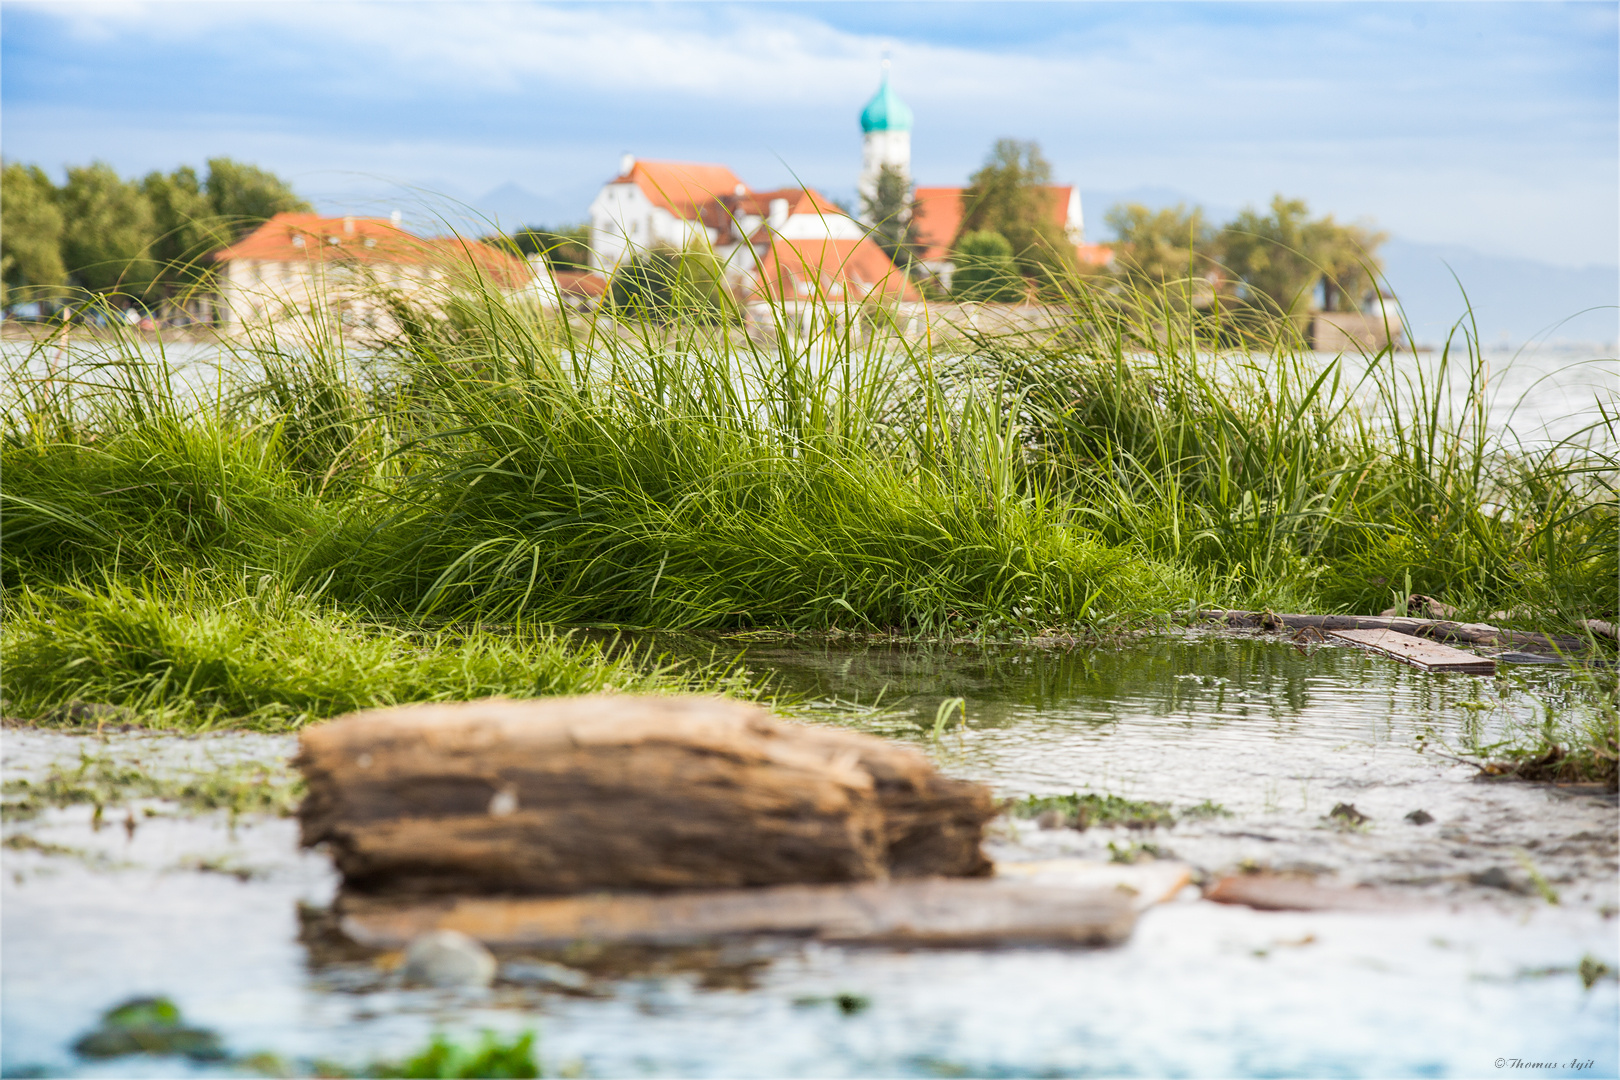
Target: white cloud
[{"x": 1429, "y": 132}]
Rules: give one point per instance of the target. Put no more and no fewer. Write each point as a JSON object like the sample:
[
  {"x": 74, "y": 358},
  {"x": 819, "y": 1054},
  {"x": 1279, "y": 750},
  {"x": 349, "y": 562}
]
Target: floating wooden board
[
  {"x": 1428, "y": 655},
  {"x": 1043, "y": 906},
  {"x": 1276, "y": 892}
]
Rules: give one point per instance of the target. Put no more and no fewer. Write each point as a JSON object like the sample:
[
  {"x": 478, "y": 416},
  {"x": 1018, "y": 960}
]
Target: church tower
[{"x": 887, "y": 123}]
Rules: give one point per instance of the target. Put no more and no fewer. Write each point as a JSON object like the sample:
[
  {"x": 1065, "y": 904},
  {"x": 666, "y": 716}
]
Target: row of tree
[
  {"x": 147, "y": 238},
  {"x": 1010, "y": 244},
  {"x": 1281, "y": 259}
]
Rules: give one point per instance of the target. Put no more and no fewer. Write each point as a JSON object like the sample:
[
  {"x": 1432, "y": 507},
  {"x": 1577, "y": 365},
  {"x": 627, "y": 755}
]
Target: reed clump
[{"x": 366, "y": 494}]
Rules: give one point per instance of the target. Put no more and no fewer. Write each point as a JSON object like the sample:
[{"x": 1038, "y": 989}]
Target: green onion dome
[{"x": 885, "y": 112}]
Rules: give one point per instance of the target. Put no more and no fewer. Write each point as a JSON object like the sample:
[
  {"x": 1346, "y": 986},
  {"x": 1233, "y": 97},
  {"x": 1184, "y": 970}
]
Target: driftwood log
[
  {"x": 1437, "y": 629},
  {"x": 933, "y": 912},
  {"x": 618, "y": 792}
]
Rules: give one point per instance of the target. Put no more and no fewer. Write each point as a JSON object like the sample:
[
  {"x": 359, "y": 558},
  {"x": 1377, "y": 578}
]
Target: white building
[
  {"x": 886, "y": 127},
  {"x": 311, "y": 270},
  {"x": 790, "y": 243}
]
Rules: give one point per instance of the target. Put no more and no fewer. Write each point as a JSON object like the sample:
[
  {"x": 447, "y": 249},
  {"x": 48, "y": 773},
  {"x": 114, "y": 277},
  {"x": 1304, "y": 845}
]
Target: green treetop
[
  {"x": 1283, "y": 257},
  {"x": 30, "y": 236},
  {"x": 1009, "y": 195},
  {"x": 891, "y": 211},
  {"x": 1158, "y": 247}
]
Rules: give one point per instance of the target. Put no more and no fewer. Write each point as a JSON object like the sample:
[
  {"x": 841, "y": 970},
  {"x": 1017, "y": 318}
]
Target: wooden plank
[
  {"x": 1440, "y": 630},
  {"x": 1415, "y": 651},
  {"x": 949, "y": 912},
  {"x": 1276, "y": 892}
]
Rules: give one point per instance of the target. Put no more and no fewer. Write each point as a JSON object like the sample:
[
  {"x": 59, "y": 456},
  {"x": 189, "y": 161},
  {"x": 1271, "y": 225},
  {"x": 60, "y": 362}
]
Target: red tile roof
[
  {"x": 1094, "y": 254},
  {"x": 312, "y": 238},
  {"x": 939, "y": 216},
  {"x": 585, "y": 283},
  {"x": 832, "y": 270},
  {"x": 683, "y": 188}
]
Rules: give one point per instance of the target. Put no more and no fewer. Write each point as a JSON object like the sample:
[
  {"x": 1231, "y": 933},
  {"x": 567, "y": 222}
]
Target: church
[{"x": 794, "y": 243}]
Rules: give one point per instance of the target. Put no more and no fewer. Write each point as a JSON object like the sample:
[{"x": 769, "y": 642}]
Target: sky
[{"x": 1493, "y": 126}]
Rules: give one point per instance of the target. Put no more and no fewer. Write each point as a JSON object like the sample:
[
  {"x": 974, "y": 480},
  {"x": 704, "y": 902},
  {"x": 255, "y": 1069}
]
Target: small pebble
[
  {"x": 1420, "y": 817},
  {"x": 448, "y": 958}
]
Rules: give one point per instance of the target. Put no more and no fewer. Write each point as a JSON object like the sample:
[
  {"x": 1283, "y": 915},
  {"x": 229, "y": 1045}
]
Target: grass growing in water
[
  {"x": 239, "y": 787},
  {"x": 205, "y": 657},
  {"x": 487, "y": 460}
]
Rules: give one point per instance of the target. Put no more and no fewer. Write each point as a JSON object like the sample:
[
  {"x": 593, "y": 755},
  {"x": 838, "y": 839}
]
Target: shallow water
[{"x": 1276, "y": 733}]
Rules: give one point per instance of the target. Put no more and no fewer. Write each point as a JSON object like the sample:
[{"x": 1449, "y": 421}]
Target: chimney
[
  {"x": 396, "y": 217},
  {"x": 348, "y": 225},
  {"x": 627, "y": 163},
  {"x": 779, "y": 212}
]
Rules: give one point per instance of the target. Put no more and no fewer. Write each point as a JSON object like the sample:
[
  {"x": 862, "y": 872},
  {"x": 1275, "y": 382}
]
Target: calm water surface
[{"x": 1274, "y": 732}]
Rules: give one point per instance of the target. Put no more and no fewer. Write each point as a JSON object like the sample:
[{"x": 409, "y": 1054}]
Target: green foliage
[
  {"x": 1283, "y": 257},
  {"x": 890, "y": 209},
  {"x": 662, "y": 285},
  {"x": 1081, "y": 811},
  {"x": 199, "y": 656},
  {"x": 1010, "y": 195},
  {"x": 1158, "y": 248},
  {"x": 148, "y": 1026},
  {"x": 246, "y": 195},
  {"x": 1316, "y": 485},
  {"x": 136, "y": 239},
  {"x": 108, "y": 231},
  {"x": 491, "y": 461},
  {"x": 985, "y": 270},
  {"x": 490, "y": 1059},
  {"x": 30, "y": 236},
  {"x": 240, "y": 788},
  {"x": 567, "y": 248},
  {"x": 187, "y": 227}
]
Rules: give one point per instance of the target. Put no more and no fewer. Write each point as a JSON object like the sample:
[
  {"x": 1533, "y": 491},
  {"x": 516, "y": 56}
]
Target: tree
[
  {"x": 890, "y": 209},
  {"x": 985, "y": 269},
  {"x": 30, "y": 236},
  {"x": 664, "y": 285},
  {"x": 1158, "y": 247},
  {"x": 186, "y": 227},
  {"x": 1283, "y": 257},
  {"x": 107, "y": 231},
  {"x": 566, "y": 248},
  {"x": 1350, "y": 264},
  {"x": 247, "y": 196},
  {"x": 1010, "y": 195}
]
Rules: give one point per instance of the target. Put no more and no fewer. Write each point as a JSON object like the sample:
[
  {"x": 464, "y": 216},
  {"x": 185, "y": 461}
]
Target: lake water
[
  {"x": 1539, "y": 392},
  {"x": 225, "y": 918}
]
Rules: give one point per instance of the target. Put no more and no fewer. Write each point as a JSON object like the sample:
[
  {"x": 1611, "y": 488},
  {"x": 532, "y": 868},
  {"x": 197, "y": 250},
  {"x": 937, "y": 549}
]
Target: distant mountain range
[{"x": 1513, "y": 300}]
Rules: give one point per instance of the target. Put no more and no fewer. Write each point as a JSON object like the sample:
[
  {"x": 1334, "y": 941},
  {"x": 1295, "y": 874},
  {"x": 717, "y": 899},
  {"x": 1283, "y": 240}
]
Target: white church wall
[{"x": 883, "y": 148}]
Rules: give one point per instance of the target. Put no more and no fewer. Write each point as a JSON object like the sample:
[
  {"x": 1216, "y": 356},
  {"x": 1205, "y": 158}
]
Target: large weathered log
[
  {"x": 1439, "y": 630},
  {"x": 934, "y": 912},
  {"x": 617, "y": 792}
]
